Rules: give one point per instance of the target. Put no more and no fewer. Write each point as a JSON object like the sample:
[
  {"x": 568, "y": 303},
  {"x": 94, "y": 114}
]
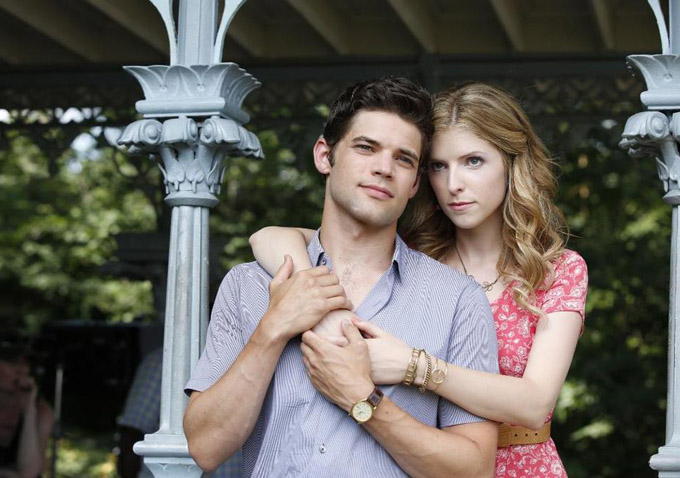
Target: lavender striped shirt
[{"x": 299, "y": 432}]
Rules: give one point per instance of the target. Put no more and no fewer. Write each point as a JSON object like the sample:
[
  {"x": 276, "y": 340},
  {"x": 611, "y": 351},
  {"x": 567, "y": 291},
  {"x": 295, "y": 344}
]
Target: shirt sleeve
[
  {"x": 143, "y": 403},
  {"x": 224, "y": 340},
  {"x": 472, "y": 345},
  {"x": 570, "y": 286}
]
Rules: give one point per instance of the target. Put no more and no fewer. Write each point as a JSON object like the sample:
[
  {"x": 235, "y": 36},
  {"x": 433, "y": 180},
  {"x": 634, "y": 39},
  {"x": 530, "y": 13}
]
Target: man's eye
[
  {"x": 406, "y": 160},
  {"x": 364, "y": 147}
]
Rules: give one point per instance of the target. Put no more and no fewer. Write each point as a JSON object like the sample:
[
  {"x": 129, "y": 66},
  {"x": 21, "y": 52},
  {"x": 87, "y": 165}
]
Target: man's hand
[
  {"x": 341, "y": 374},
  {"x": 297, "y": 302}
]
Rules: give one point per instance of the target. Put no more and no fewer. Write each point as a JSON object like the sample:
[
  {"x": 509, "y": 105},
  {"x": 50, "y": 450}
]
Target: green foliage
[
  {"x": 56, "y": 232},
  {"x": 273, "y": 191},
  {"x": 611, "y": 415},
  {"x": 84, "y": 455},
  {"x": 57, "y": 226}
]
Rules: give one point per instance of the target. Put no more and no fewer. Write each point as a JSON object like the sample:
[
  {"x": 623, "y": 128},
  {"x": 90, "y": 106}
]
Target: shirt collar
[{"x": 316, "y": 252}]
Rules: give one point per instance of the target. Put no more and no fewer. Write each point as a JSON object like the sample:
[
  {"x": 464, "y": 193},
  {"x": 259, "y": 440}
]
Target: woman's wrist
[{"x": 420, "y": 371}]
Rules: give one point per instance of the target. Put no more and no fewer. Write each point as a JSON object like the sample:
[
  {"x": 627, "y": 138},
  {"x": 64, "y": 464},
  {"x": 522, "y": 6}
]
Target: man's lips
[{"x": 377, "y": 191}]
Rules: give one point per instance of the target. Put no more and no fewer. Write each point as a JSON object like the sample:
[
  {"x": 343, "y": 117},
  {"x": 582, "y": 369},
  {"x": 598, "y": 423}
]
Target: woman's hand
[
  {"x": 389, "y": 355},
  {"x": 28, "y": 390}
]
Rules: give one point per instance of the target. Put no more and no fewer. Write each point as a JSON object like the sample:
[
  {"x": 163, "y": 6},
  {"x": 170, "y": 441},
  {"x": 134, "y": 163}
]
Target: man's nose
[{"x": 383, "y": 164}]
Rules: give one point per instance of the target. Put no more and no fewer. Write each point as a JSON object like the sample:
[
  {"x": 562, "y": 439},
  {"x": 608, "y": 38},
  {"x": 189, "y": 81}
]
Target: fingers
[
  {"x": 284, "y": 271},
  {"x": 334, "y": 291},
  {"x": 327, "y": 279},
  {"x": 317, "y": 271},
  {"x": 339, "y": 302},
  {"x": 367, "y": 328},
  {"x": 351, "y": 332},
  {"x": 307, "y": 351},
  {"x": 312, "y": 341},
  {"x": 339, "y": 341}
]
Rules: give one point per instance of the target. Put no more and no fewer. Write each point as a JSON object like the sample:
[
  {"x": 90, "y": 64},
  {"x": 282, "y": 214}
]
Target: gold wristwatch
[{"x": 362, "y": 411}]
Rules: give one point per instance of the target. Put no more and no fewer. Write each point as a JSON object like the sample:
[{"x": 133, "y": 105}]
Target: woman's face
[{"x": 468, "y": 177}]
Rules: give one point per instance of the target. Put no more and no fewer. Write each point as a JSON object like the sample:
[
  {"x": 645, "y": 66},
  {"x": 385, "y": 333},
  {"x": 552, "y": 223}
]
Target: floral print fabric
[{"x": 515, "y": 330}]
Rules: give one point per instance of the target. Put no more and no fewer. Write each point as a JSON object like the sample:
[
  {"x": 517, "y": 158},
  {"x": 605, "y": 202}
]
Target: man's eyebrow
[
  {"x": 410, "y": 154},
  {"x": 365, "y": 139},
  {"x": 371, "y": 141}
]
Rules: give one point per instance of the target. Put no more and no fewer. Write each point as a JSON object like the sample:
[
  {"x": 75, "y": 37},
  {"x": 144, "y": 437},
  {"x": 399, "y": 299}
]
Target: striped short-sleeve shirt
[{"x": 300, "y": 433}]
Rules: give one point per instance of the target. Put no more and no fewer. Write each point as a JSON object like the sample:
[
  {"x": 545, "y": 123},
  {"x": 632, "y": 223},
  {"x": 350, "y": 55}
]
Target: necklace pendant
[{"x": 486, "y": 286}]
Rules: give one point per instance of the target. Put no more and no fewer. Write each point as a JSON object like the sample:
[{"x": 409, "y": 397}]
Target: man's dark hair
[{"x": 400, "y": 96}]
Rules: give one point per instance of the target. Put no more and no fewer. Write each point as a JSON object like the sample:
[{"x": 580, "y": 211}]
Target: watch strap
[{"x": 375, "y": 397}]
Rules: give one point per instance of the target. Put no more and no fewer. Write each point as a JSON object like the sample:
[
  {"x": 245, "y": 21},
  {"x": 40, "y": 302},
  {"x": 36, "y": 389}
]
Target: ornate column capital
[
  {"x": 192, "y": 154},
  {"x": 651, "y": 133},
  {"x": 662, "y": 76}
]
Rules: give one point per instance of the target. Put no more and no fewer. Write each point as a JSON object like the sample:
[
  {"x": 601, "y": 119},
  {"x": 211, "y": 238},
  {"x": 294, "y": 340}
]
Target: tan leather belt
[{"x": 509, "y": 435}]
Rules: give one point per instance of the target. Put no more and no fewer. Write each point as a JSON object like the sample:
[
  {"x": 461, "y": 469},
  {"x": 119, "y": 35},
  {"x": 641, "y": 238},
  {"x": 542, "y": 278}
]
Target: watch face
[{"x": 362, "y": 411}]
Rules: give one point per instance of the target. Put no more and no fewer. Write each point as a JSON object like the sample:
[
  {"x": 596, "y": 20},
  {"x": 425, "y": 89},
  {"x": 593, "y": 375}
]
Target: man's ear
[
  {"x": 414, "y": 189},
  {"x": 322, "y": 156}
]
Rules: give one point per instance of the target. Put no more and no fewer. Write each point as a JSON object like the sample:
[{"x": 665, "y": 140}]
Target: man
[{"x": 250, "y": 387}]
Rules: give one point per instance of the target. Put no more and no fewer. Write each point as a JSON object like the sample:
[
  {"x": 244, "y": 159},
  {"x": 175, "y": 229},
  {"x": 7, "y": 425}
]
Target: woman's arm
[
  {"x": 524, "y": 401},
  {"x": 271, "y": 243}
]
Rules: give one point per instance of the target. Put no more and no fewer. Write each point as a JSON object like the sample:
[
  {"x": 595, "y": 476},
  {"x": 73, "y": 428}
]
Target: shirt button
[{"x": 322, "y": 449}]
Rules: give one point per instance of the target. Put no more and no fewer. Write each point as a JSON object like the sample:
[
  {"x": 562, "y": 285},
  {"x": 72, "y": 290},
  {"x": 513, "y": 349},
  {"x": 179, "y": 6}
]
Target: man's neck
[
  {"x": 349, "y": 241},
  {"x": 360, "y": 254}
]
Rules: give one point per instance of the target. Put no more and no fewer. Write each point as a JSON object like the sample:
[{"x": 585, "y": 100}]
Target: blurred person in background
[
  {"x": 26, "y": 419},
  {"x": 141, "y": 416}
]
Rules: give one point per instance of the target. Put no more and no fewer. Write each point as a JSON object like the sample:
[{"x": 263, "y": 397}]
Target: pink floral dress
[{"x": 515, "y": 330}]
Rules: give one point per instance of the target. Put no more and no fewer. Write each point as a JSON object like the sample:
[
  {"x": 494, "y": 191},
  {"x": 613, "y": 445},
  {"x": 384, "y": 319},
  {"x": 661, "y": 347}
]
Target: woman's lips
[{"x": 460, "y": 206}]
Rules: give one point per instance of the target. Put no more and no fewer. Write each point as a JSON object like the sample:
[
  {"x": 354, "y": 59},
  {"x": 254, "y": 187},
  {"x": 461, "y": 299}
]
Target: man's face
[{"x": 375, "y": 168}]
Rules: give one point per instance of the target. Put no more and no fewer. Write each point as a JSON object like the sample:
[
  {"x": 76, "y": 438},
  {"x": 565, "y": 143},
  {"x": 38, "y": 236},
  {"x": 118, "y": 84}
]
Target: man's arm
[
  {"x": 464, "y": 451},
  {"x": 219, "y": 420},
  {"x": 343, "y": 375}
]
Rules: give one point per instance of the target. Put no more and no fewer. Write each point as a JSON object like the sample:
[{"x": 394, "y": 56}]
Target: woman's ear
[{"x": 322, "y": 156}]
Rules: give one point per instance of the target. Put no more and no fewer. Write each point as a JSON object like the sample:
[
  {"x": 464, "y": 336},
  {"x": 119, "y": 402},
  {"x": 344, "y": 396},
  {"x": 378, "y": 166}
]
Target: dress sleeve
[{"x": 570, "y": 286}]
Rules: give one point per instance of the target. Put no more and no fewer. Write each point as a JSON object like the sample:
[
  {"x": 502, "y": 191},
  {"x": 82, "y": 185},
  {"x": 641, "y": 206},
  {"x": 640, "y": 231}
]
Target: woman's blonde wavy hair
[{"x": 534, "y": 232}]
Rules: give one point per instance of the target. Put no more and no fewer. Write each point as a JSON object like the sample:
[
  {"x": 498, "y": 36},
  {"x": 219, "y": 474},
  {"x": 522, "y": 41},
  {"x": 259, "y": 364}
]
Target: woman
[{"x": 487, "y": 209}]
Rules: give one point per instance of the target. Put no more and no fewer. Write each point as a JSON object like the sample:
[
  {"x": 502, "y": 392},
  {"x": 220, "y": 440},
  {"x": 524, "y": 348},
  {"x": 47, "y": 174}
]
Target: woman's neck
[{"x": 482, "y": 245}]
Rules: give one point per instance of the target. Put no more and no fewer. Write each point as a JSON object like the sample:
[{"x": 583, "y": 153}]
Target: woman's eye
[
  {"x": 475, "y": 161},
  {"x": 435, "y": 166}
]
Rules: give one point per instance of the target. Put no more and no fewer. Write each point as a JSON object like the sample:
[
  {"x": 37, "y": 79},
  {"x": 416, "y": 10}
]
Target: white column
[{"x": 193, "y": 123}]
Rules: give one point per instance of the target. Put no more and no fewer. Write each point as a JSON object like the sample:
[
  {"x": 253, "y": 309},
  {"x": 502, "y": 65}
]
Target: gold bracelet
[
  {"x": 439, "y": 375},
  {"x": 428, "y": 370},
  {"x": 412, "y": 367}
]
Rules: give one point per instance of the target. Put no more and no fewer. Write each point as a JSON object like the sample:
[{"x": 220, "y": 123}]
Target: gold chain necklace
[{"x": 486, "y": 286}]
